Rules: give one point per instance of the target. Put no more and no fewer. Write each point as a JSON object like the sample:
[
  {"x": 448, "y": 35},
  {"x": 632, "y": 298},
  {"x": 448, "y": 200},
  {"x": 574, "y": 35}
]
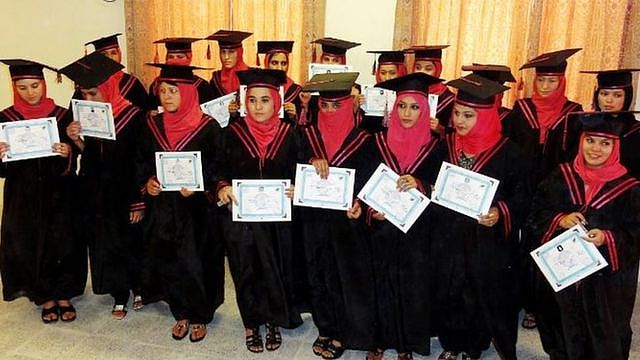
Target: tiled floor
[{"x": 146, "y": 335}]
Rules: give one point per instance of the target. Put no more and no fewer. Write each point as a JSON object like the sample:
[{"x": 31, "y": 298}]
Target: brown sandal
[
  {"x": 198, "y": 332},
  {"x": 180, "y": 329}
]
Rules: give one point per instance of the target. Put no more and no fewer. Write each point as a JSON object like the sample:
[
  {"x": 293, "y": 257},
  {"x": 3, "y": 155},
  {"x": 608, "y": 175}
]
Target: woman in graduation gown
[
  {"x": 130, "y": 86},
  {"x": 225, "y": 80},
  {"x": 538, "y": 124},
  {"x": 428, "y": 60},
  {"x": 179, "y": 255},
  {"x": 597, "y": 191},
  {"x": 338, "y": 256},
  {"x": 390, "y": 66},
  {"x": 474, "y": 259},
  {"x": 334, "y": 52},
  {"x": 111, "y": 203},
  {"x": 260, "y": 146},
  {"x": 614, "y": 93},
  {"x": 401, "y": 261},
  {"x": 540, "y": 127},
  {"x": 277, "y": 58},
  {"x": 179, "y": 53},
  {"x": 40, "y": 257}
]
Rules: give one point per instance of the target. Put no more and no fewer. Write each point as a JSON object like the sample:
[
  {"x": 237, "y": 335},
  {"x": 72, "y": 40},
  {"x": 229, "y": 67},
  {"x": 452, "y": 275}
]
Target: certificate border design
[
  {"x": 347, "y": 199},
  {"x": 383, "y": 171},
  {"x": 52, "y": 128},
  {"x": 487, "y": 197},
  {"x": 573, "y": 234},
  {"x": 238, "y": 213},
  {"x": 196, "y": 159},
  {"x": 110, "y": 133}
]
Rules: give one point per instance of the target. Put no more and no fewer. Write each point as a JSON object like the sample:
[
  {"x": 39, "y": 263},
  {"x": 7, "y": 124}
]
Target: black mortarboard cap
[
  {"x": 176, "y": 73},
  {"x": 335, "y": 46},
  {"x": 332, "y": 85},
  {"x": 91, "y": 70},
  {"x": 105, "y": 43},
  {"x": 473, "y": 89},
  {"x": 412, "y": 82},
  {"x": 229, "y": 39},
  {"x": 497, "y": 73},
  {"x": 177, "y": 44},
  {"x": 613, "y": 78},
  {"x": 388, "y": 56},
  {"x": 602, "y": 123},
  {"x": 279, "y": 46},
  {"x": 265, "y": 77},
  {"x": 554, "y": 62},
  {"x": 26, "y": 69},
  {"x": 426, "y": 52}
]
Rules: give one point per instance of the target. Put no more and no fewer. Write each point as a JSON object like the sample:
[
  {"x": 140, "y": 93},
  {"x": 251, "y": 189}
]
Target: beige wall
[
  {"x": 53, "y": 32},
  {"x": 369, "y": 22}
]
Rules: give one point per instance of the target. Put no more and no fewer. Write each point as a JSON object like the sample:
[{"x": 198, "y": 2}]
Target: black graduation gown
[
  {"x": 596, "y": 312},
  {"x": 401, "y": 263},
  {"x": 216, "y": 85},
  {"x": 474, "y": 266},
  {"x": 40, "y": 255},
  {"x": 521, "y": 126},
  {"x": 260, "y": 253},
  {"x": 205, "y": 93},
  {"x": 176, "y": 232},
  {"x": 446, "y": 100},
  {"x": 292, "y": 95},
  {"x": 338, "y": 257},
  {"x": 630, "y": 144},
  {"x": 109, "y": 193}
]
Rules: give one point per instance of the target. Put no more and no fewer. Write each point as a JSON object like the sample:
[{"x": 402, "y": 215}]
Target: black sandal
[
  {"x": 336, "y": 351},
  {"x": 46, "y": 312},
  {"x": 273, "y": 338},
  {"x": 254, "y": 341},
  {"x": 66, "y": 310},
  {"x": 320, "y": 343},
  {"x": 405, "y": 356},
  {"x": 376, "y": 354}
]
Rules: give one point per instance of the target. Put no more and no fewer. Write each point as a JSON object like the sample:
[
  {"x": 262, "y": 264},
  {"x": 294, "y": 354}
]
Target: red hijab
[
  {"x": 595, "y": 178},
  {"x": 228, "y": 77},
  {"x": 334, "y": 126},
  {"x": 40, "y": 110},
  {"x": 183, "y": 121},
  {"x": 483, "y": 135},
  {"x": 267, "y": 59},
  {"x": 400, "y": 68},
  {"x": 264, "y": 132},
  {"x": 438, "y": 88},
  {"x": 549, "y": 108},
  {"x": 405, "y": 143},
  {"x": 110, "y": 90}
]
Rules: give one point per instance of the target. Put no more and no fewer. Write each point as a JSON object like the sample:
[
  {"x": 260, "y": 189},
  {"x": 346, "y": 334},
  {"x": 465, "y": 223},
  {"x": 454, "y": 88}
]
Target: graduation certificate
[
  {"x": 29, "y": 139},
  {"x": 96, "y": 118},
  {"x": 179, "y": 169},
  {"x": 261, "y": 200},
  {"x": 334, "y": 192}
]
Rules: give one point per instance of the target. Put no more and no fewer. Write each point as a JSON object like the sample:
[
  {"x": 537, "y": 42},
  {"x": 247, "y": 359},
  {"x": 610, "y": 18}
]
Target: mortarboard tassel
[
  {"x": 58, "y": 78},
  {"x": 257, "y": 60},
  {"x": 85, "y": 50},
  {"x": 313, "y": 53},
  {"x": 373, "y": 69},
  {"x": 156, "y": 58},
  {"x": 208, "y": 51}
]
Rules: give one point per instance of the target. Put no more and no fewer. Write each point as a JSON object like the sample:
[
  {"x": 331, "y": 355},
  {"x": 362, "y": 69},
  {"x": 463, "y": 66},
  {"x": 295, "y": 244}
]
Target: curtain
[
  {"x": 510, "y": 32},
  {"x": 150, "y": 20}
]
